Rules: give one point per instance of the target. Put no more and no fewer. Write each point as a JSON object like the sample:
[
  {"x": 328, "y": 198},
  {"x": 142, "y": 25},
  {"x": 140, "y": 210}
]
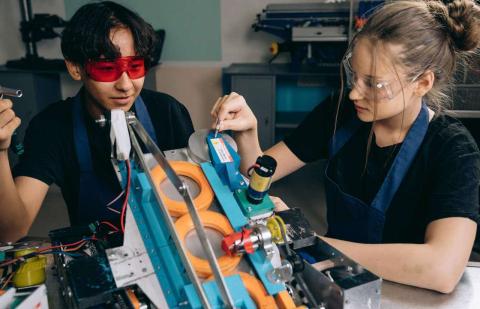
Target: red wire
[
  {"x": 249, "y": 171},
  {"x": 127, "y": 193},
  {"x": 10, "y": 262},
  {"x": 75, "y": 248},
  {"x": 82, "y": 241},
  {"x": 60, "y": 246},
  {"x": 8, "y": 280},
  {"x": 110, "y": 225}
]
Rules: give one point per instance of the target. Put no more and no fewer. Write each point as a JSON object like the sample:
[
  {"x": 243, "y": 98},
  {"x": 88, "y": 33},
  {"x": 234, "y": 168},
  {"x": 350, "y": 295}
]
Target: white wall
[
  {"x": 11, "y": 45},
  {"x": 198, "y": 84},
  {"x": 240, "y": 43},
  {"x": 10, "y": 40}
]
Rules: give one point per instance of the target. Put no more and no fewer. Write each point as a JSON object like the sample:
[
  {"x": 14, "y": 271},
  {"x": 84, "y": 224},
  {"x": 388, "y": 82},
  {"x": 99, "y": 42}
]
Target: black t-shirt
[
  {"x": 443, "y": 180},
  {"x": 50, "y": 149}
]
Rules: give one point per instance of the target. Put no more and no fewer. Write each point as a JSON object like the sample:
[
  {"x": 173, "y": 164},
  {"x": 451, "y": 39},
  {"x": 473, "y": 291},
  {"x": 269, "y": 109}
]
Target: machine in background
[{"x": 313, "y": 33}]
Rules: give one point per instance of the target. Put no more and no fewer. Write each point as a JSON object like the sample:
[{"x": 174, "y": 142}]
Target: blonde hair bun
[{"x": 461, "y": 19}]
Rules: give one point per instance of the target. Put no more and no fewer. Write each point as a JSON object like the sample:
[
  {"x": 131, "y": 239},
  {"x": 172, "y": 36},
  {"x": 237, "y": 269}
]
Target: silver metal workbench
[{"x": 466, "y": 295}]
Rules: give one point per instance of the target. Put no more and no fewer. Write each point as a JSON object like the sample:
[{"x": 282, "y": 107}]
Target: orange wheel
[
  {"x": 217, "y": 222},
  {"x": 186, "y": 169}
]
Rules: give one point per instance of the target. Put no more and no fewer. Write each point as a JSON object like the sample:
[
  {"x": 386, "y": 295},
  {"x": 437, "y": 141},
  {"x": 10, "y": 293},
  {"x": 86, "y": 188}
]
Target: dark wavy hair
[{"x": 87, "y": 34}]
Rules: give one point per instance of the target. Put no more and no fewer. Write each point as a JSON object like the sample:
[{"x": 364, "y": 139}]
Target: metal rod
[
  {"x": 27, "y": 16},
  {"x": 17, "y": 93},
  {"x": 306, "y": 290},
  {"x": 350, "y": 22},
  {"x": 185, "y": 193},
  {"x": 171, "y": 226},
  {"x": 25, "y": 19}
]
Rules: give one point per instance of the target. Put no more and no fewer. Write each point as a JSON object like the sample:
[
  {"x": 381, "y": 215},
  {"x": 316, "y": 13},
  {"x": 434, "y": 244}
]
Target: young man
[{"x": 109, "y": 48}]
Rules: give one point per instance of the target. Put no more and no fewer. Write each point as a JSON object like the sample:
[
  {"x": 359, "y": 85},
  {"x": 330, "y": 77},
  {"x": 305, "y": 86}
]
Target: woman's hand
[
  {"x": 231, "y": 112},
  {"x": 8, "y": 123},
  {"x": 279, "y": 204}
]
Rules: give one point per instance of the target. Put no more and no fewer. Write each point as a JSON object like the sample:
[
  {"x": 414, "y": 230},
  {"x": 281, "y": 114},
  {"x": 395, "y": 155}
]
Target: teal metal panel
[
  {"x": 235, "y": 285},
  {"x": 251, "y": 210},
  {"x": 192, "y": 26},
  {"x": 224, "y": 197},
  {"x": 156, "y": 237},
  {"x": 232, "y": 210}
]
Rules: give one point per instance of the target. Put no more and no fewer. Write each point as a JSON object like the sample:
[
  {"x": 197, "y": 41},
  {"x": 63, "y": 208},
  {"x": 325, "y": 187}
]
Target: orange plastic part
[
  {"x": 256, "y": 290},
  {"x": 187, "y": 169},
  {"x": 133, "y": 299},
  {"x": 215, "y": 221},
  {"x": 285, "y": 301}
]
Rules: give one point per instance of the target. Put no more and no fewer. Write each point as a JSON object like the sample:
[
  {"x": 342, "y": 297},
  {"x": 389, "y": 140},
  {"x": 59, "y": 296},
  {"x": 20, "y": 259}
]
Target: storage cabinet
[{"x": 280, "y": 97}]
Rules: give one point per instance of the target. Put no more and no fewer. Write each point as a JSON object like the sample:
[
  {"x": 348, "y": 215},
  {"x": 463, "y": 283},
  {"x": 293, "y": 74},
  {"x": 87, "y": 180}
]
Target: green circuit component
[{"x": 253, "y": 210}]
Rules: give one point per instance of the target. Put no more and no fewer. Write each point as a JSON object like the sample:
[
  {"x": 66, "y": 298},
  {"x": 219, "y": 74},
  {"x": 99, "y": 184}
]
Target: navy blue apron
[
  {"x": 348, "y": 217},
  {"x": 93, "y": 193}
]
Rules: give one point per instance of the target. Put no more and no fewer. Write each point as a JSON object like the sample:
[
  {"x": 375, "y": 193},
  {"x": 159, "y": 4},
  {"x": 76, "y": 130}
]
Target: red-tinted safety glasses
[{"x": 110, "y": 70}]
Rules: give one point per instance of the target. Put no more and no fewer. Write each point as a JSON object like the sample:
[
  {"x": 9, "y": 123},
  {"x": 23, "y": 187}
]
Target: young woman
[{"x": 402, "y": 177}]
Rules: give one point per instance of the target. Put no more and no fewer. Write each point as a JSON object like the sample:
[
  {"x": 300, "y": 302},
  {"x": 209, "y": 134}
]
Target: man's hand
[{"x": 8, "y": 123}]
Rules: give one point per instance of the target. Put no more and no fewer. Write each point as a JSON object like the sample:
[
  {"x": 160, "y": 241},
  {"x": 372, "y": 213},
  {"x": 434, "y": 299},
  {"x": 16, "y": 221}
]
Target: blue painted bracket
[
  {"x": 225, "y": 197},
  {"x": 226, "y": 163},
  {"x": 238, "y": 220}
]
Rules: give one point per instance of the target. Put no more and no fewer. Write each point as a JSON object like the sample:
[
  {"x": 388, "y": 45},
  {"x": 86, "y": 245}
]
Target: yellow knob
[
  {"x": 274, "y": 48},
  {"x": 275, "y": 225}
]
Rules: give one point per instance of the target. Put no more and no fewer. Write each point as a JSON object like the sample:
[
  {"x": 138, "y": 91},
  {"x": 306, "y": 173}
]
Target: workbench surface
[{"x": 394, "y": 295}]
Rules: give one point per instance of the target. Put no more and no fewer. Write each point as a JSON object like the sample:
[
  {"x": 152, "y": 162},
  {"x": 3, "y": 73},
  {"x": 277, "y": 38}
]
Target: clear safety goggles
[
  {"x": 110, "y": 70},
  {"x": 368, "y": 86}
]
